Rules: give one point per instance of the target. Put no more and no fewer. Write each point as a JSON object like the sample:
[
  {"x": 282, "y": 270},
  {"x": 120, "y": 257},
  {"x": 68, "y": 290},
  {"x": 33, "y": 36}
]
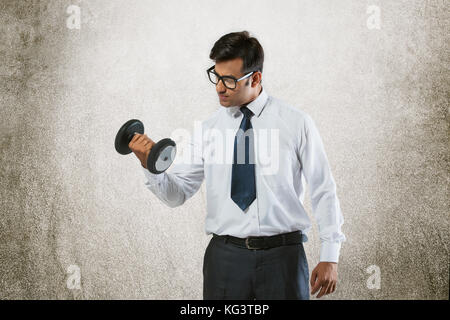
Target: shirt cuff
[{"x": 329, "y": 251}]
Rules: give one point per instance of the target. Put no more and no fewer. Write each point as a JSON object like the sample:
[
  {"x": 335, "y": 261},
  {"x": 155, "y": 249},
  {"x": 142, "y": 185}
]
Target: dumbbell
[{"x": 161, "y": 155}]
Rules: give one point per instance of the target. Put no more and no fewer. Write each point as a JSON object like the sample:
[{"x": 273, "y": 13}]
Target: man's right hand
[{"x": 141, "y": 146}]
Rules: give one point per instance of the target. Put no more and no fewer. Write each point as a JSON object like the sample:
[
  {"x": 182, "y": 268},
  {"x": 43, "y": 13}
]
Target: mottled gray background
[{"x": 380, "y": 99}]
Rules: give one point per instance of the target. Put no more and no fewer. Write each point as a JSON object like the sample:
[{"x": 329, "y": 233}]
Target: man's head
[{"x": 236, "y": 55}]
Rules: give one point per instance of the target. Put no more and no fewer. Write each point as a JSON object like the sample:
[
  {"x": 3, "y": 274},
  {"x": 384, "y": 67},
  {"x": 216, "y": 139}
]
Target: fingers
[
  {"x": 333, "y": 288},
  {"x": 133, "y": 140},
  {"x": 139, "y": 140},
  {"x": 323, "y": 290},
  {"x": 327, "y": 287},
  {"x": 315, "y": 283},
  {"x": 312, "y": 280},
  {"x": 324, "y": 277},
  {"x": 135, "y": 137},
  {"x": 141, "y": 146},
  {"x": 315, "y": 288}
]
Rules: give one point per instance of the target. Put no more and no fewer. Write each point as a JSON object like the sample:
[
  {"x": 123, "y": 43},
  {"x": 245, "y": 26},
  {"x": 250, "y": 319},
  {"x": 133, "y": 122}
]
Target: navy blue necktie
[{"x": 243, "y": 189}]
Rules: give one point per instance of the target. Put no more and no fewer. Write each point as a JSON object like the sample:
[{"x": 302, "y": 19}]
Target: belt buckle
[{"x": 248, "y": 246}]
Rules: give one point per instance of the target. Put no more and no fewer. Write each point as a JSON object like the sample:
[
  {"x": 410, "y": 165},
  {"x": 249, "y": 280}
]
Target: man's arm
[
  {"x": 181, "y": 181},
  {"x": 325, "y": 205}
]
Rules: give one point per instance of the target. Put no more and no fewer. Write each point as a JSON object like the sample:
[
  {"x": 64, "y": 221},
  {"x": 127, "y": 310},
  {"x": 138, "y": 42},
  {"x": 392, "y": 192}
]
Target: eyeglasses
[{"x": 228, "y": 81}]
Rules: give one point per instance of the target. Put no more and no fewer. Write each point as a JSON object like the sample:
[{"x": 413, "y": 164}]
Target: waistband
[{"x": 264, "y": 242}]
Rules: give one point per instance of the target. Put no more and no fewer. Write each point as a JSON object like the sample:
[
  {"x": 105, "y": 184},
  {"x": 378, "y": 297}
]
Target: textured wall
[{"x": 70, "y": 203}]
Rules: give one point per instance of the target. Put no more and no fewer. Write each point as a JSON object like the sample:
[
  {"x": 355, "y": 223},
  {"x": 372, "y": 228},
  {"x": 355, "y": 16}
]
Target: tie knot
[{"x": 247, "y": 112}]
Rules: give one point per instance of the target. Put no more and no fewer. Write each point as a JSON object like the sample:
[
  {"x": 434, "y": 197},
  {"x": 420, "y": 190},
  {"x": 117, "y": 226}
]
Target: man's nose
[{"x": 220, "y": 87}]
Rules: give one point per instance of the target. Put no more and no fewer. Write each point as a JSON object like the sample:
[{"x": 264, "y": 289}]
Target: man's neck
[{"x": 245, "y": 104}]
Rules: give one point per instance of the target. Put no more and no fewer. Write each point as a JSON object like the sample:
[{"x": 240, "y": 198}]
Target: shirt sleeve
[
  {"x": 322, "y": 189},
  {"x": 184, "y": 177}
]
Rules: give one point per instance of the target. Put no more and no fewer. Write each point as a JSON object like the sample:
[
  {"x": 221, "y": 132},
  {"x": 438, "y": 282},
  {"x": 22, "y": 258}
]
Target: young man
[{"x": 256, "y": 216}]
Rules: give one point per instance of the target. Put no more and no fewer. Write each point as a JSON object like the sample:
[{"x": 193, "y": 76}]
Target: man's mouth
[{"x": 222, "y": 97}]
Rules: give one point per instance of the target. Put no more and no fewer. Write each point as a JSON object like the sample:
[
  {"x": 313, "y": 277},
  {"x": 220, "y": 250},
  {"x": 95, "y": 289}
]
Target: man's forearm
[{"x": 166, "y": 187}]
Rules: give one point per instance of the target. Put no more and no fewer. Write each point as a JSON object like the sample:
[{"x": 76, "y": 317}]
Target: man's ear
[{"x": 256, "y": 78}]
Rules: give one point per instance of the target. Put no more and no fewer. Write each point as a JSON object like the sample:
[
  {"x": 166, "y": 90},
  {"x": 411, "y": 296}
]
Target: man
[{"x": 256, "y": 216}]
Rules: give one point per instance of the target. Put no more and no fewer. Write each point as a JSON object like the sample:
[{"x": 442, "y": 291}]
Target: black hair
[{"x": 239, "y": 45}]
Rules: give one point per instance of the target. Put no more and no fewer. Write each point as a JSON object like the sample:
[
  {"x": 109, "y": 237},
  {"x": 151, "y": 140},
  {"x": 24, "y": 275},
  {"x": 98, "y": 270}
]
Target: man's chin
[{"x": 225, "y": 103}]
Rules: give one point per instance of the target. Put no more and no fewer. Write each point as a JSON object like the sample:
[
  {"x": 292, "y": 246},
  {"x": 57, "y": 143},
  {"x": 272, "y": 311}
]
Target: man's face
[{"x": 242, "y": 93}]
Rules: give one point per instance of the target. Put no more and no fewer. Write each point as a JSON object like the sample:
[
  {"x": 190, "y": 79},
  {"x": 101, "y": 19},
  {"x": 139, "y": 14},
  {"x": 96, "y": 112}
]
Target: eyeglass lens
[{"x": 229, "y": 83}]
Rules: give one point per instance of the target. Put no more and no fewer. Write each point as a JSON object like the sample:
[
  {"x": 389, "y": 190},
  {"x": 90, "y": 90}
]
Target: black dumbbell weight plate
[
  {"x": 161, "y": 156},
  {"x": 126, "y": 133}
]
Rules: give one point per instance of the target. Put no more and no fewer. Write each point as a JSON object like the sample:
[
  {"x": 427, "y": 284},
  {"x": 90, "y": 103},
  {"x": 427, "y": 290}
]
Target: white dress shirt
[{"x": 296, "y": 154}]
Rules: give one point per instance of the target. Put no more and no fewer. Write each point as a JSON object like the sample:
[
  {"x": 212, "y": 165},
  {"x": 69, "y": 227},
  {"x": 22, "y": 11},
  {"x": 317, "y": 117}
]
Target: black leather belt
[{"x": 257, "y": 243}]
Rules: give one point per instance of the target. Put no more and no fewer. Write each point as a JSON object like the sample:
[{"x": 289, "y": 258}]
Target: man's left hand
[{"x": 324, "y": 277}]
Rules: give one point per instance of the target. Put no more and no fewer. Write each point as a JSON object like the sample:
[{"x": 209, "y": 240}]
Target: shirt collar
[{"x": 256, "y": 106}]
